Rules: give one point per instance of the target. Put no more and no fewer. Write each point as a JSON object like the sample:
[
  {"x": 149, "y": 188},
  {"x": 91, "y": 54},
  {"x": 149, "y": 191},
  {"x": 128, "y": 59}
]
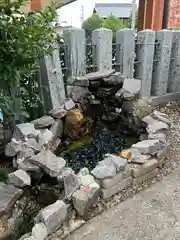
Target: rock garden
[{"x": 63, "y": 168}]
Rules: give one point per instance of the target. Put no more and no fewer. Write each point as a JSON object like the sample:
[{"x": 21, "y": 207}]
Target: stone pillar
[
  {"x": 144, "y": 55},
  {"x": 125, "y": 46},
  {"x": 174, "y": 68},
  {"x": 75, "y": 54},
  {"x": 161, "y": 64},
  {"x": 102, "y": 56},
  {"x": 52, "y": 83}
]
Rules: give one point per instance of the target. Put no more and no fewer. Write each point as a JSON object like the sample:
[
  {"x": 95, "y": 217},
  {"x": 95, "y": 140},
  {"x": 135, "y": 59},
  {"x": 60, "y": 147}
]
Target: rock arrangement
[{"x": 33, "y": 145}]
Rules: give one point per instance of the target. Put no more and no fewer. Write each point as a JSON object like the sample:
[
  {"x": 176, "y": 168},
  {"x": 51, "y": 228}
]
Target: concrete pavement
[{"x": 153, "y": 214}]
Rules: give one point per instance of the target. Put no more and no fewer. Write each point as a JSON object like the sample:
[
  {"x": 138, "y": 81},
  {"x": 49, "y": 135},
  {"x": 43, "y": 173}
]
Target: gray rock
[
  {"x": 24, "y": 131},
  {"x": 78, "y": 93},
  {"x": 85, "y": 178},
  {"x": 39, "y": 231},
  {"x": 161, "y": 117},
  {"x": 104, "y": 170},
  {"x": 45, "y": 137},
  {"x": 32, "y": 143},
  {"x": 57, "y": 128},
  {"x": 137, "y": 157},
  {"x": 58, "y": 112},
  {"x": 8, "y": 197},
  {"x": 54, "y": 144},
  {"x": 85, "y": 198},
  {"x": 157, "y": 127},
  {"x": 27, "y": 166},
  {"x": 43, "y": 122},
  {"x": 15, "y": 165},
  {"x": 115, "y": 78},
  {"x": 71, "y": 184},
  {"x": 83, "y": 172},
  {"x": 131, "y": 89},
  {"x": 69, "y": 104},
  {"x": 65, "y": 172},
  {"x": 160, "y": 136},
  {"x": 53, "y": 216},
  {"x": 19, "y": 178},
  {"x": 12, "y": 148},
  {"x": 98, "y": 75},
  {"x": 110, "y": 182},
  {"x": 149, "y": 120},
  {"x": 49, "y": 162},
  {"x": 81, "y": 81},
  {"x": 119, "y": 162},
  {"x": 24, "y": 153},
  {"x": 109, "y": 192},
  {"x": 22, "y": 149},
  {"x": 148, "y": 146}
]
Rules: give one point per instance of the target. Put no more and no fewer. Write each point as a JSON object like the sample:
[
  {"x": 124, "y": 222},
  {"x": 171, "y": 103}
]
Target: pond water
[{"x": 89, "y": 150}]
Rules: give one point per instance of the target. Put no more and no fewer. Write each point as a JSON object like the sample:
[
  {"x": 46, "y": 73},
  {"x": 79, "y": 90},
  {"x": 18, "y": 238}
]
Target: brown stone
[
  {"x": 126, "y": 154},
  {"x": 139, "y": 170},
  {"x": 145, "y": 177},
  {"x": 109, "y": 192},
  {"x": 76, "y": 124}
]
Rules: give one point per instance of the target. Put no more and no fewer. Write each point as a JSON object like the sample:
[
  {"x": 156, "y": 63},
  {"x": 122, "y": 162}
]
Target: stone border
[
  {"x": 164, "y": 99},
  {"x": 32, "y": 147},
  {"x": 111, "y": 176}
]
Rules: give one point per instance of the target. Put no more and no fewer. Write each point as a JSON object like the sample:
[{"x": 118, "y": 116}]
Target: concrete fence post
[
  {"x": 125, "y": 47},
  {"x": 174, "y": 69},
  {"x": 161, "y": 62},
  {"x": 102, "y": 55},
  {"x": 144, "y": 55},
  {"x": 52, "y": 81},
  {"x": 75, "y": 52}
]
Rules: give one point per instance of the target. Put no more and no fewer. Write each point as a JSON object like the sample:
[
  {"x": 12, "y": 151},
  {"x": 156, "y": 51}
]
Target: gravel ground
[{"x": 172, "y": 163}]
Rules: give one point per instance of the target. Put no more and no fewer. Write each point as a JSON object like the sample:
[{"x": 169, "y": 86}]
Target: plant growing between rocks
[{"x": 25, "y": 38}]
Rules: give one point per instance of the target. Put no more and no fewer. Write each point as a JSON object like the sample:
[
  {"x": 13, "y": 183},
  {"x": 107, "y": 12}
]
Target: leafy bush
[
  {"x": 92, "y": 23},
  {"x": 24, "y": 39}
]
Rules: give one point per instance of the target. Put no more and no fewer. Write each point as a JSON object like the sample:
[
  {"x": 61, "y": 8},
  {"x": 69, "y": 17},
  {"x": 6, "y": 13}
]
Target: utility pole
[
  {"x": 133, "y": 22},
  {"x": 82, "y": 14},
  {"x": 165, "y": 14}
]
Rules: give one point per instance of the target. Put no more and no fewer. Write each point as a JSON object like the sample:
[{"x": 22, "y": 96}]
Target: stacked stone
[
  {"x": 112, "y": 174},
  {"x": 149, "y": 155}
]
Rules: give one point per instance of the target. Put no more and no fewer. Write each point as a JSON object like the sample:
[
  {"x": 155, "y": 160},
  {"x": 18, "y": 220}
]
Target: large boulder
[
  {"x": 25, "y": 130},
  {"x": 49, "y": 162},
  {"x": 71, "y": 184},
  {"x": 130, "y": 90},
  {"x": 85, "y": 198},
  {"x": 149, "y": 147},
  {"x": 43, "y": 122},
  {"x": 19, "y": 178},
  {"x": 8, "y": 197},
  {"x": 39, "y": 231},
  {"x": 53, "y": 216}
]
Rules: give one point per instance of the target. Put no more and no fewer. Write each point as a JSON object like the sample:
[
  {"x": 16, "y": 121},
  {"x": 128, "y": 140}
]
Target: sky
[{"x": 71, "y": 14}]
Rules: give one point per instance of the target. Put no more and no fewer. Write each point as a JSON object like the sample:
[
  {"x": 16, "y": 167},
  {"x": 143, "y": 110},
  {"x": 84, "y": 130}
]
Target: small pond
[{"x": 89, "y": 150}]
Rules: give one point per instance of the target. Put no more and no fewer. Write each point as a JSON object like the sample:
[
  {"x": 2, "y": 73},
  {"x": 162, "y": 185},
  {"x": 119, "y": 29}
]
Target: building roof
[{"x": 120, "y": 10}]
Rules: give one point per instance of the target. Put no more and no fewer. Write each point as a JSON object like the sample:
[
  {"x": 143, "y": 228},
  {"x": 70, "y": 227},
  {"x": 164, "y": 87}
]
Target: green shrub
[{"x": 24, "y": 39}]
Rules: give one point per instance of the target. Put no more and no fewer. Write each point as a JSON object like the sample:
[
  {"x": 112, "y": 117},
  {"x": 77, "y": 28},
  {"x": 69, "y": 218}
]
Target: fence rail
[{"x": 153, "y": 57}]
